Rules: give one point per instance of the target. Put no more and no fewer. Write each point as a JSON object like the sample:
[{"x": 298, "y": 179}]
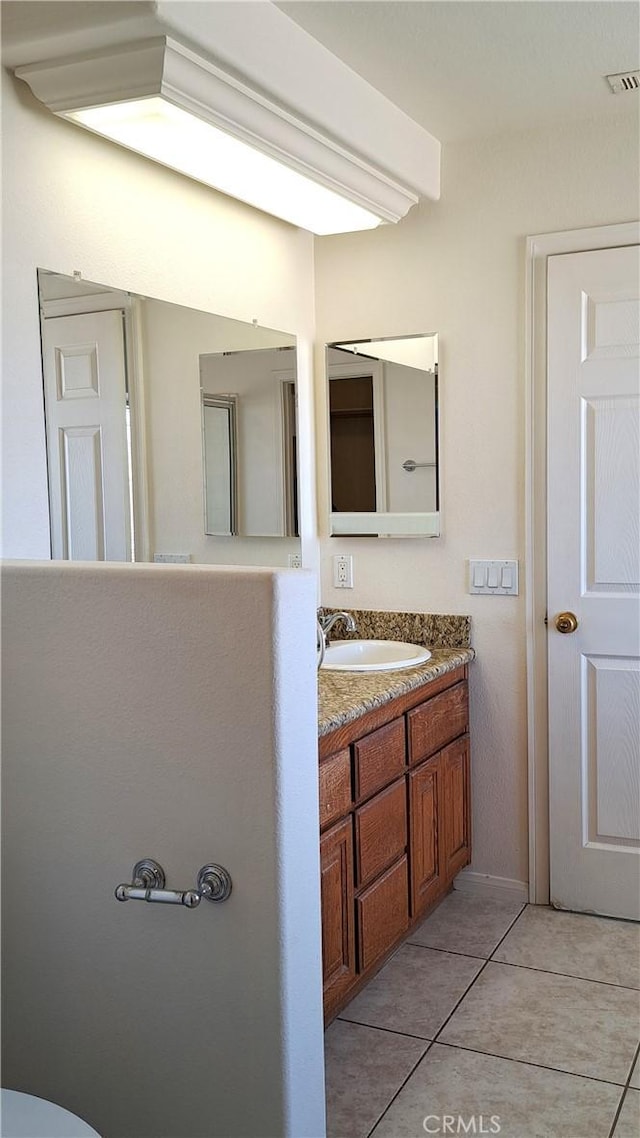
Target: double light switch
[{"x": 500, "y": 577}]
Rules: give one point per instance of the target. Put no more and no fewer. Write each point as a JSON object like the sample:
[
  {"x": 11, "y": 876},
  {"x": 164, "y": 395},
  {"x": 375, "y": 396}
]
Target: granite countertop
[{"x": 345, "y": 696}]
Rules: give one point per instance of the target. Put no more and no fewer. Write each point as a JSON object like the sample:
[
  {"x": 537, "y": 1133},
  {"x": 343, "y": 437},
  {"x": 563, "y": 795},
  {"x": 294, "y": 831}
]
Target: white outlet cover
[{"x": 343, "y": 571}]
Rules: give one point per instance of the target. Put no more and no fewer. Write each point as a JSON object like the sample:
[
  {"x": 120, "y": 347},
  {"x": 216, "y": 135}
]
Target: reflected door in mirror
[
  {"x": 353, "y": 474},
  {"x": 219, "y": 435},
  {"x": 85, "y": 381}
]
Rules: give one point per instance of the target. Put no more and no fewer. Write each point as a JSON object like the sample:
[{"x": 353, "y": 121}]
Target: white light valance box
[{"x": 161, "y": 99}]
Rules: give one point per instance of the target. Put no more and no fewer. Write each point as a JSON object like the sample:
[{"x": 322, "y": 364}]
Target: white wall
[
  {"x": 73, "y": 202},
  {"x": 164, "y": 712},
  {"x": 410, "y": 430},
  {"x": 457, "y": 267}
]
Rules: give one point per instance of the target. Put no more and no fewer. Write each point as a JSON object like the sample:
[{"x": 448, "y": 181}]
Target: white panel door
[
  {"x": 85, "y": 404},
  {"x": 594, "y": 573}
]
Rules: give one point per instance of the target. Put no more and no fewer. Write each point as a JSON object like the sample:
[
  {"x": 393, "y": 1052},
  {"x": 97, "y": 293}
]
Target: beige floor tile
[
  {"x": 364, "y": 1069},
  {"x": 414, "y": 992},
  {"x": 635, "y": 1075},
  {"x": 557, "y": 1021},
  {"x": 576, "y": 945},
  {"x": 467, "y": 923},
  {"x": 628, "y": 1124},
  {"x": 524, "y": 1101}
]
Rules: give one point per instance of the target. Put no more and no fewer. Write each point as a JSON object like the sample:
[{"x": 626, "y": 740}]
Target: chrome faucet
[{"x": 327, "y": 622}]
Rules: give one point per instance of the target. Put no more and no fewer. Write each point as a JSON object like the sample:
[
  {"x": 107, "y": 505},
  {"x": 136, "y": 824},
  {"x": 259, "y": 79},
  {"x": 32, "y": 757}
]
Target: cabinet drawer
[
  {"x": 383, "y": 914},
  {"x": 379, "y": 758},
  {"x": 335, "y": 788},
  {"x": 437, "y": 722},
  {"x": 381, "y": 832}
]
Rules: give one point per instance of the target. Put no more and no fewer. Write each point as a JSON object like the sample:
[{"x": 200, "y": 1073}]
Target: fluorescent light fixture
[
  {"x": 160, "y": 99},
  {"x": 178, "y": 139}
]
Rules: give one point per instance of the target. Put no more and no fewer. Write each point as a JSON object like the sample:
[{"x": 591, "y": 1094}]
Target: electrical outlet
[
  {"x": 295, "y": 561},
  {"x": 172, "y": 558},
  {"x": 343, "y": 571}
]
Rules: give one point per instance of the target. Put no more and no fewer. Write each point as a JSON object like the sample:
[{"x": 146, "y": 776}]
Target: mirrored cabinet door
[{"x": 383, "y": 436}]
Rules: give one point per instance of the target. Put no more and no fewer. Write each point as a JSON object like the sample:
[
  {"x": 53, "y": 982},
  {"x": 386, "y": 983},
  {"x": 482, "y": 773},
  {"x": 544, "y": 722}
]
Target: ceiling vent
[{"x": 625, "y": 81}]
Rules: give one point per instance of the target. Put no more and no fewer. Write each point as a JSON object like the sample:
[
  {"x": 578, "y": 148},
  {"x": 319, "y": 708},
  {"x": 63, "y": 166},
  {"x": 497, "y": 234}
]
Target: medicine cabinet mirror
[
  {"x": 171, "y": 433},
  {"x": 383, "y": 436}
]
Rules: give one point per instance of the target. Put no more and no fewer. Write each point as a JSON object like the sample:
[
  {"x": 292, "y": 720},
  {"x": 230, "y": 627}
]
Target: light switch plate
[{"x": 494, "y": 577}]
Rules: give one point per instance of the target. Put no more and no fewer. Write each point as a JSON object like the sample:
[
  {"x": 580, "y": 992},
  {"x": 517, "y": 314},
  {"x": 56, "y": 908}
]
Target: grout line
[
  {"x": 480, "y": 971},
  {"x": 400, "y": 1088},
  {"x": 626, "y": 1090},
  {"x": 633, "y": 1063},
  {"x": 475, "y": 978},
  {"x": 568, "y": 975},
  {"x": 436, "y": 1039},
  {"x": 389, "y": 1030},
  {"x": 449, "y": 951},
  {"x": 531, "y": 1063},
  {"x": 618, "y": 1112}
]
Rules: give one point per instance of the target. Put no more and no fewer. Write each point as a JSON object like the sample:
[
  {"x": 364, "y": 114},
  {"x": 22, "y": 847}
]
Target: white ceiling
[
  {"x": 464, "y": 68},
  {"x": 460, "y": 68}
]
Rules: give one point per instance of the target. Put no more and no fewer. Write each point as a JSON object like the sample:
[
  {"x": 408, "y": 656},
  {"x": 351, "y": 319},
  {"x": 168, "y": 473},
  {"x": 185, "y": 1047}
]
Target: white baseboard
[{"x": 508, "y": 888}]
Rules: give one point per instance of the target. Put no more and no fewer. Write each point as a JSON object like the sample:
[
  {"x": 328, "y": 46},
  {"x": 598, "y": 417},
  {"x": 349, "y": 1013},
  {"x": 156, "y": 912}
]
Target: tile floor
[{"x": 494, "y": 1018}]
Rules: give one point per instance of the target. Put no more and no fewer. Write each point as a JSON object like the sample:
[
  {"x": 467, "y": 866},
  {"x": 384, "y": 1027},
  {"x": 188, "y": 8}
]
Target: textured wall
[
  {"x": 457, "y": 267},
  {"x": 164, "y": 712}
]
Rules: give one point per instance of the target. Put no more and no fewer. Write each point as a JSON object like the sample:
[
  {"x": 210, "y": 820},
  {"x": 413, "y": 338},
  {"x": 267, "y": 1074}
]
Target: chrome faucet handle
[{"x": 327, "y": 622}]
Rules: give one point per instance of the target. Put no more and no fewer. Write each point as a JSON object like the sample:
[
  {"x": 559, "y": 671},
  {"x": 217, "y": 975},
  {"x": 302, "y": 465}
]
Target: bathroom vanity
[{"x": 395, "y": 823}]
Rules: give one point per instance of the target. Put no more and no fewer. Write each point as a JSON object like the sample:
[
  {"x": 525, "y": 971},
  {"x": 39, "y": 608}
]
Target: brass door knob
[{"x": 566, "y": 622}]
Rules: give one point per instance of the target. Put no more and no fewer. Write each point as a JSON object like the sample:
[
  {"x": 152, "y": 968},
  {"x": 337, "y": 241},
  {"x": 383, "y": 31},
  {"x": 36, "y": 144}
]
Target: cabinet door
[
  {"x": 456, "y": 824},
  {"x": 425, "y": 813},
  {"x": 382, "y": 914},
  {"x": 338, "y": 942}
]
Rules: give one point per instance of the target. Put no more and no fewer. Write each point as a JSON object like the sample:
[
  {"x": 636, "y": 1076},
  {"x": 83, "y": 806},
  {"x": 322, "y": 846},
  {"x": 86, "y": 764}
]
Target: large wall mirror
[
  {"x": 171, "y": 432},
  {"x": 383, "y": 436}
]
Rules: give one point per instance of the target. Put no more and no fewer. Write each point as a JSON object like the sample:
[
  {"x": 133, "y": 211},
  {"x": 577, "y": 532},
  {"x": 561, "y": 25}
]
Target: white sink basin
[{"x": 373, "y": 655}]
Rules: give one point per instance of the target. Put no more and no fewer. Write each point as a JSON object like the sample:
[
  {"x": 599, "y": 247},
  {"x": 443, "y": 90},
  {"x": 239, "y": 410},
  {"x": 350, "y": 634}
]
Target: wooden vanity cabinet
[{"x": 395, "y": 826}]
